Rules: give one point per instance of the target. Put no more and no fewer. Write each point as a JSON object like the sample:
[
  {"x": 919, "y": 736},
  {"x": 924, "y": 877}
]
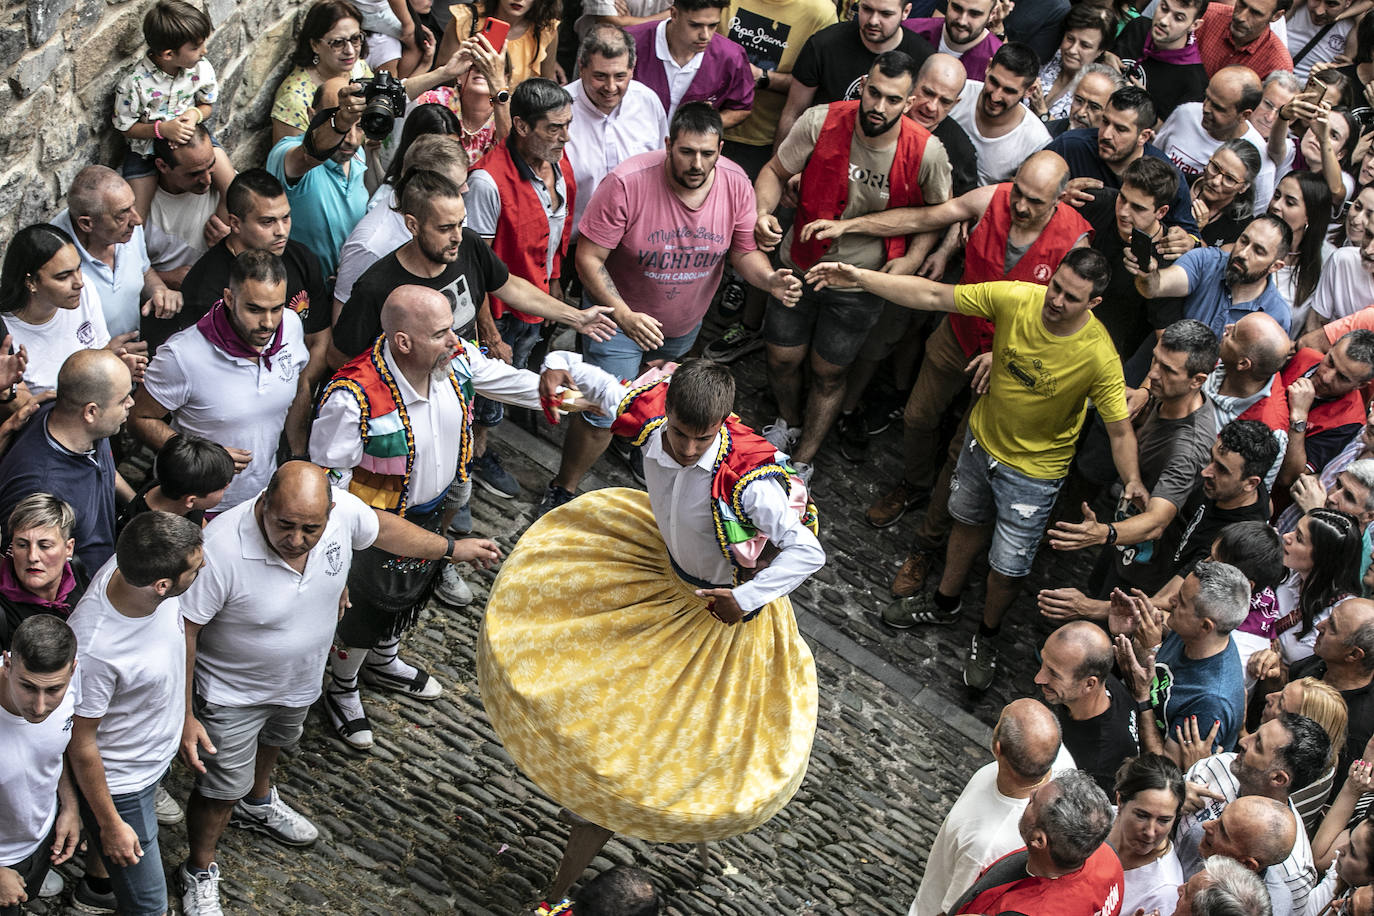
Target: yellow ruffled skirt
[{"x": 618, "y": 694}]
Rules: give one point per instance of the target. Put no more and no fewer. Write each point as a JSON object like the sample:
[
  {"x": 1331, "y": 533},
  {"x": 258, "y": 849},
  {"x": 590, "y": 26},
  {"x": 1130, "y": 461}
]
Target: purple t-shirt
[
  {"x": 666, "y": 259},
  {"x": 975, "y": 59},
  {"x": 724, "y": 78}
]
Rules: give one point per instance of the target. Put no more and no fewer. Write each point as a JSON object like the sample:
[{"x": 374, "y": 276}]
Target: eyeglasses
[
  {"x": 1214, "y": 171},
  {"x": 338, "y": 44}
]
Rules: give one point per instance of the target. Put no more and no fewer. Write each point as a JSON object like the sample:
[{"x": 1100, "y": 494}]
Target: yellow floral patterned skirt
[{"x": 619, "y": 695}]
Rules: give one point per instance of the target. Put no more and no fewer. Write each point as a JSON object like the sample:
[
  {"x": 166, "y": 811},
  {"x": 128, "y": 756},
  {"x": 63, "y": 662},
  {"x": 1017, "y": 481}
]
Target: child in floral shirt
[{"x": 171, "y": 89}]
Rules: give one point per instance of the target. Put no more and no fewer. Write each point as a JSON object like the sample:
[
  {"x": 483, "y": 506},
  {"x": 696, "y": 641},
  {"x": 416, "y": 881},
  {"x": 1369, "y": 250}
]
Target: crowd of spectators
[{"x": 1147, "y": 226}]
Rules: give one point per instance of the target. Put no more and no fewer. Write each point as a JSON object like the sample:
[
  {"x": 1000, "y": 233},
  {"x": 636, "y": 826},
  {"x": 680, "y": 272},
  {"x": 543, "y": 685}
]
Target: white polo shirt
[
  {"x": 236, "y": 402},
  {"x": 28, "y": 779},
  {"x": 267, "y": 628},
  {"x": 49, "y": 345},
  {"x": 599, "y": 142},
  {"x": 133, "y": 678}
]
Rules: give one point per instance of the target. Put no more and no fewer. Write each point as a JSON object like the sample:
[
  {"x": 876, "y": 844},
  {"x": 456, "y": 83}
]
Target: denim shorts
[
  {"x": 621, "y": 357},
  {"x": 834, "y": 323},
  {"x": 141, "y": 889},
  {"x": 520, "y": 336},
  {"x": 985, "y": 491},
  {"x": 236, "y": 732}
]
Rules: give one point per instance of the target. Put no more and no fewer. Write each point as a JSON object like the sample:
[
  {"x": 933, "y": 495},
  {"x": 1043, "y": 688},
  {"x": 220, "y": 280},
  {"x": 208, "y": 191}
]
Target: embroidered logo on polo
[
  {"x": 333, "y": 557},
  {"x": 85, "y": 334},
  {"x": 286, "y": 367}
]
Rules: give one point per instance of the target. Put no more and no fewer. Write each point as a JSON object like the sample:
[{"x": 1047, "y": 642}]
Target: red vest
[
  {"x": 1272, "y": 409},
  {"x": 825, "y": 184},
  {"x": 1324, "y": 415},
  {"x": 985, "y": 259},
  {"x": 522, "y": 232}
]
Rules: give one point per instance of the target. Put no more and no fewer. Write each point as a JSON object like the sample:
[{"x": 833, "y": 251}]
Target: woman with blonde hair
[{"x": 1323, "y": 704}]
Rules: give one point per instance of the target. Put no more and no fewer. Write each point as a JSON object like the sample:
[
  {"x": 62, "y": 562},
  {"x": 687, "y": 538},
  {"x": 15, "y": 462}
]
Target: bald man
[
  {"x": 322, "y": 171},
  {"x": 1096, "y": 712},
  {"x": 1195, "y": 130},
  {"x": 1246, "y": 384},
  {"x": 259, "y": 622},
  {"x": 65, "y": 450},
  {"x": 983, "y": 824},
  {"x": 401, "y": 462},
  {"x": 1255, "y": 831}
]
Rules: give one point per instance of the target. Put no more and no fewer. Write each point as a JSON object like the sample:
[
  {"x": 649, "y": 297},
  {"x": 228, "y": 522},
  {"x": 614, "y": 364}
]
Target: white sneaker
[
  {"x": 804, "y": 471},
  {"x": 200, "y": 892},
  {"x": 52, "y": 885},
  {"x": 167, "y": 810},
  {"x": 452, "y": 590},
  {"x": 277, "y": 819},
  {"x": 782, "y": 436}
]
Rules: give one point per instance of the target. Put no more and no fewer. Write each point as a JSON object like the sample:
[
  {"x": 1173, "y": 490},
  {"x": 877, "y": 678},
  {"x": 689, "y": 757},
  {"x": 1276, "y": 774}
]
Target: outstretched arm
[
  {"x": 908, "y": 292},
  {"x": 904, "y": 220}
]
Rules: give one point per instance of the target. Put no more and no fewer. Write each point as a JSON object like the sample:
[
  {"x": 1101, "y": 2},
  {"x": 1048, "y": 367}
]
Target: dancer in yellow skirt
[{"x": 639, "y": 658}]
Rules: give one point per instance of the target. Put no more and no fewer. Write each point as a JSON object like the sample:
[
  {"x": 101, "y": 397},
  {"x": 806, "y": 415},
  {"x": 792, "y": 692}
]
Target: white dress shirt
[
  {"x": 436, "y": 422},
  {"x": 599, "y": 142},
  {"x": 680, "y": 76},
  {"x": 681, "y": 500}
]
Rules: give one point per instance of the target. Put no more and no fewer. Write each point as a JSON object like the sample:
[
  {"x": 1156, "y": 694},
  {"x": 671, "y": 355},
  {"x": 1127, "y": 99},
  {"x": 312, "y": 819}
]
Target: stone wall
[{"x": 61, "y": 60}]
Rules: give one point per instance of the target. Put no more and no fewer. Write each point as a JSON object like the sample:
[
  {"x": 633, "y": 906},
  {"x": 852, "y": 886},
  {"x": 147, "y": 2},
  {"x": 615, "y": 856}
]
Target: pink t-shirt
[{"x": 667, "y": 259}]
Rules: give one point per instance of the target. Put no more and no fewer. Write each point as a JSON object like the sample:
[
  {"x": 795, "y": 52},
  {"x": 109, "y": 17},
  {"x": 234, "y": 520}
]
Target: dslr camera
[{"x": 385, "y": 100}]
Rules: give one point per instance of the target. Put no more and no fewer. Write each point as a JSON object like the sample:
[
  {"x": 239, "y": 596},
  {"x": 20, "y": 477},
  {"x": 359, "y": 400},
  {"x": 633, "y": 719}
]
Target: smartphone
[
  {"x": 496, "y": 31},
  {"x": 1143, "y": 249}
]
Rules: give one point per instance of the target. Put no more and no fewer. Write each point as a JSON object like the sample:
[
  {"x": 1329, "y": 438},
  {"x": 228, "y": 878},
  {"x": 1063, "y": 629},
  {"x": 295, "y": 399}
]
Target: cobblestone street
[{"x": 437, "y": 819}]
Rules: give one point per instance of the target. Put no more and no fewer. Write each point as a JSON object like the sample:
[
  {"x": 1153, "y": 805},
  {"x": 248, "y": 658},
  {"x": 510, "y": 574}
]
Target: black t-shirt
[
  {"x": 1170, "y": 85},
  {"x": 963, "y": 157},
  {"x": 1359, "y": 702},
  {"x": 834, "y": 59},
  {"x": 1224, "y": 229},
  {"x": 1188, "y": 539},
  {"x": 139, "y": 504},
  {"x": 306, "y": 292},
  {"x": 1128, "y": 316},
  {"x": 464, "y": 283},
  {"x": 1099, "y": 744}
]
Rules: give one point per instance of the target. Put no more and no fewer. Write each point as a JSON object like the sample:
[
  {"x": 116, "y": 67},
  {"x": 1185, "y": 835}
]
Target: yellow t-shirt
[
  {"x": 1039, "y": 383},
  {"x": 772, "y": 33}
]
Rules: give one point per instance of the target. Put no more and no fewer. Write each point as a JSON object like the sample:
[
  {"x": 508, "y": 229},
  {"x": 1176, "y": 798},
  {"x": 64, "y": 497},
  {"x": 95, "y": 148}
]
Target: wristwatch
[
  {"x": 501, "y": 97},
  {"x": 762, "y": 81},
  {"x": 1297, "y": 426}
]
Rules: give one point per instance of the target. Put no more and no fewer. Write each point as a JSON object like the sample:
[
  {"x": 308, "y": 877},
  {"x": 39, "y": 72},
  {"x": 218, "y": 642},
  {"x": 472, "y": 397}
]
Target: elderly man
[
  {"x": 686, "y": 59},
  {"x": 184, "y": 204},
  {"x": 1065, "y": 867},
  {"x": 1224, "y": 887},
  {"x": 416, "y": 395},
  {"x": 981, "y": 826},
  {"x": 234, "y": 377},
  {"x": 322, "y": 171},
  {"x": 1089, "y": 100},
  {"x": 1219, "y": 288},
  {"x": 259, "y": 622},
  {"x": 1343, "y": 656},
  {"x": 624, "y": 226},
  {"x": 108, "y": 231},
  {"x": 1283, "y": 756},
  {"x": 1160, "y": 50},
  {"x": 1325, "y": 410},
  {"x": 1195, "y": 130},
  {"x": 1239, "y": 36},
  {"x": 38, "y": 691},
  {"x": 1003, "y": 130},
  {"x": 65, "y": 450},
  {"x": 614, "y": 116},
  {"x": 1094, "y": 708},
  {"x": 1257, "y": 832},
  {"x": 1279, "y": 89},
  {"x": 963, "y": 32}
]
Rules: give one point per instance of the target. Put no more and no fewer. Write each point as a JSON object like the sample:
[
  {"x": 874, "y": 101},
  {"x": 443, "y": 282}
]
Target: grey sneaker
[
  {"x": 52, "y": 885},
  {"x": 452, "y": 590},
  {"x": 919, "y": 609},
  {"x": 167, "y": 810},
  {"x": 805, "y": 471},
  {"x": 981, "y": 665},
  {"x": 781, "y": 436},
  {"x": 199, "y": 891},
  {"x": 278, "y": 820}
]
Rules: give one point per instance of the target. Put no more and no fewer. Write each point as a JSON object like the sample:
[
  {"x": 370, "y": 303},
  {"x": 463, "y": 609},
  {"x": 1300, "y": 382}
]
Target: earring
[{"x": 315, "y": 60}]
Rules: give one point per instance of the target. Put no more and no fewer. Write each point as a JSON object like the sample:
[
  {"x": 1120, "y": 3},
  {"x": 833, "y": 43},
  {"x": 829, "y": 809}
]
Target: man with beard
[
  {"x": 1317, "y": 34},
  {"x": 657, "y": 234},
  {"x": 1325, "y": 410},
  {"x": 1090, "y": 96},
  {"x": 1002, "y": 129},
  {"x": 1160, "y": 49},
  {"x": 684, "y": 59},
  {"x": 891, "y": 161},
  {"x": 1099, "y": 158},
  {"x": 1195, "y": 130},
  {"x": 963, "y": 32},
  {"x": 835, "y": 59},
  {"x": 233, "y": 377},
  {"x": 1219, "y": 289},
  {"x": 1239, "y": 35}
]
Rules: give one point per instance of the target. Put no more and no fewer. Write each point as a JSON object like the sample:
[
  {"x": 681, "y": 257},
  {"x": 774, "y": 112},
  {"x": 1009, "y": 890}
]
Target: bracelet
[
  {"x": 157, "y": 130},
  {"x": 451, "y": 545},
  {"x": 9, "y": 394},
  {"x": 199, "y": 117},
  {"x": 1111, "y": 534},
  {"x": 1144, "y": 705}
]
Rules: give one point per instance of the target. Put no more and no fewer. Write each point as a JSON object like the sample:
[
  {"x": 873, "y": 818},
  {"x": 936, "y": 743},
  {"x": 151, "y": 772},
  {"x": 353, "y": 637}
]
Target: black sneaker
[
  {"x": 85, "y": 900},
  {"x": 488, "y": 471},
  {"x": 554, "y": 496},
  {"x": 853, "y": 432},
  {"x": 732, "y": 296}
]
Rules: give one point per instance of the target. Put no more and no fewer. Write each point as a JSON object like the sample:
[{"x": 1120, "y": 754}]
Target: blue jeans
[
  {"x": 984, "y": 491},
  {"x": 140, "y": 889},
  {"x": 520, "y": 336},
  {"x": 621, "y": 357}
]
